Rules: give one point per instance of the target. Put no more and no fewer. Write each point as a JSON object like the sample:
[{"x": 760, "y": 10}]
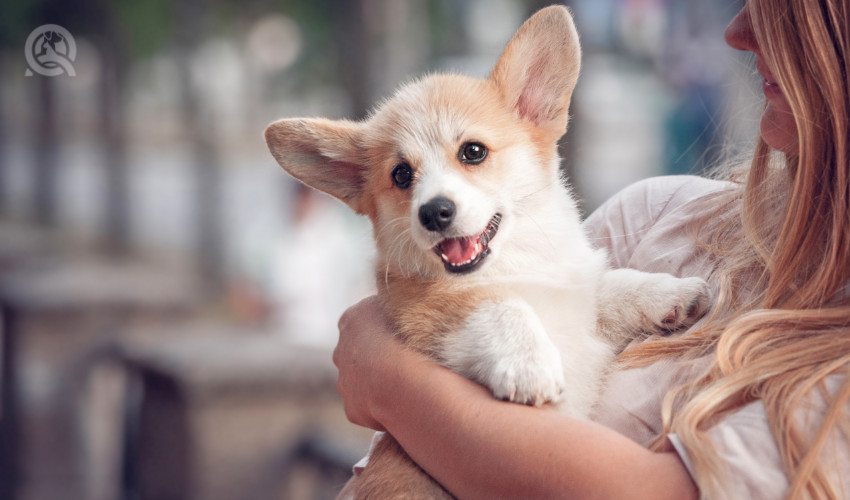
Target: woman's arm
[{"x": 479, "y": 447}]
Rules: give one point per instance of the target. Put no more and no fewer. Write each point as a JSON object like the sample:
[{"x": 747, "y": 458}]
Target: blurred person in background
[
  {"x": 753, "y": 402},
  {"x": 313, "y": 283}
]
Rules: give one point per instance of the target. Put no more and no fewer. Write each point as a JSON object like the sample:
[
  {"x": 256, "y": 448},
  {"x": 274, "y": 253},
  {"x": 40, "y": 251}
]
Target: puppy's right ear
[
  {"x": 539, "y": 68},
  {"x": 322, "y": 154}
]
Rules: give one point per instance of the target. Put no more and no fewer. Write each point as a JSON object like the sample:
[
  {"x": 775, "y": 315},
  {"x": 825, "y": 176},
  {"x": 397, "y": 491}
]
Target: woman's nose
[{"x": 739, "y": 34}]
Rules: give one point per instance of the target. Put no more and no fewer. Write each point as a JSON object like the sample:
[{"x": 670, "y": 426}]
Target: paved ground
[{"x": 211, "y": 408}]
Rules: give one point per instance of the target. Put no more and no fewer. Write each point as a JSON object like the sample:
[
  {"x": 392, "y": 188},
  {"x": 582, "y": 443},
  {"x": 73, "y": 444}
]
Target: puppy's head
[{"x": 449, "y": 167}]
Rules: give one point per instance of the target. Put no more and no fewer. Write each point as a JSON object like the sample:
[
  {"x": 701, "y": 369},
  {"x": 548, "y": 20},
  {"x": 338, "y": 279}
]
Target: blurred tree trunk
[
  {"x": 201, "y": 131},
  {"x": 45, "y": 151},
  {"x": 400, "y": 30},
  {"x": 113, "y": 130},
  {"x": 4, "y": 157},
  {"x": 351, "y": 38}
]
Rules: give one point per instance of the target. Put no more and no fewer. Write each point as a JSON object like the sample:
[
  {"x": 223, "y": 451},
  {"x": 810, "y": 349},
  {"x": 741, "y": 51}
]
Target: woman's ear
[
  {"x": 322, "y": 154},
  {"x": 538, "y": 70}
]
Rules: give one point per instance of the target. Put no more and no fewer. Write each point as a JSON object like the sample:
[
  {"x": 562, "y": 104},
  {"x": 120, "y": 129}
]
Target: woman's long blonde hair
[{"x": 782, "y": 244}]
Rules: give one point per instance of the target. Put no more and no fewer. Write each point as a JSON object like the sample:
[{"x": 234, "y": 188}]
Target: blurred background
[{"x": 169, "y": 296}]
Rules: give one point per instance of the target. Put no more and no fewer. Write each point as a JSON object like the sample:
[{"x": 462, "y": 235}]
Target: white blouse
[{"x": 650, "y": 226}]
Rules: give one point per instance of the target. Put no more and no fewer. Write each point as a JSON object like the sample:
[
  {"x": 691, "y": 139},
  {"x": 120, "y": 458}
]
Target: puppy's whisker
[
  {"x": 614, "y": 236},
  {"x": 401, "y": 250},
  {"x": 543, "y": 233}
]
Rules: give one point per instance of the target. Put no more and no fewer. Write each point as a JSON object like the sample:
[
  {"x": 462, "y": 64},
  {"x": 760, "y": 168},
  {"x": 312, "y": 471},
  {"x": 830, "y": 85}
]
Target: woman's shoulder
[
  {"x": 655, "y": 195},
  {"x": 650, "y": 212}
]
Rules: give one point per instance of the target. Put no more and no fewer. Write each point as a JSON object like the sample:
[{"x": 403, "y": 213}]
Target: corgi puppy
[{"x": 482, "y": 263}]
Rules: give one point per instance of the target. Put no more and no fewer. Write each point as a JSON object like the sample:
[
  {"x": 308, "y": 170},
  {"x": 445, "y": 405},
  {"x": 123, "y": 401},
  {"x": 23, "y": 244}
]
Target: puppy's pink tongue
[{"x": 460, "y": 250}]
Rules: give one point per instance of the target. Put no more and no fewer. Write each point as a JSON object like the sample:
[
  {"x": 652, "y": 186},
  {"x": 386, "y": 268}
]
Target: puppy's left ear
[
  {"x": 538, "y": 70},
  {"x": 323, "y": 154}
]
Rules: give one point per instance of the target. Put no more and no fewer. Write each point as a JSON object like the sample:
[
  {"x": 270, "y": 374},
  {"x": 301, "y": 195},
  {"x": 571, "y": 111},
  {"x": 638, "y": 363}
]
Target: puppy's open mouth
[{"x": 465, "y": 254}]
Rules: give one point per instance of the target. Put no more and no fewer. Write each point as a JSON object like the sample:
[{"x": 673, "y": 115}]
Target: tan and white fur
[{"x": 522, "y": 317}]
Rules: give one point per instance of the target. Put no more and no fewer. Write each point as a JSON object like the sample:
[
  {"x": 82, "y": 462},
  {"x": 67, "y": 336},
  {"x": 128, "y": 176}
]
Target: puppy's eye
[
  {"x": 472, "y": 153},
  {"x": 402, "y": 175}
]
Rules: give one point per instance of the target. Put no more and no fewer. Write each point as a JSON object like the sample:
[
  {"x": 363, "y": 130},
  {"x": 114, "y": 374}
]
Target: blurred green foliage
[
  {"x": 17, "y": 18},
  {"x": 135, "y": 29},
  {"x": 147, "y": 24}
]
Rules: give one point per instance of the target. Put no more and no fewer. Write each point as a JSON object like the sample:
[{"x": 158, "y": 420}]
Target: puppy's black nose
[{"x": 437, "y": 214}]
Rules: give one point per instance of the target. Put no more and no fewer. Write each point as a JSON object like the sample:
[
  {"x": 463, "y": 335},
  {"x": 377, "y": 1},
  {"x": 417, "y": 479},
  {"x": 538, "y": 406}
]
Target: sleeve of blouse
[
  {"x": 754, "y": 470},
  {"x": 619, "y": 224}
]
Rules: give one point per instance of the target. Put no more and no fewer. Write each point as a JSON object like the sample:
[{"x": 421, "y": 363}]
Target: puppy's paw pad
[
  {"x": 532, "y": 382},
  {"x": 682, "y": 304}
]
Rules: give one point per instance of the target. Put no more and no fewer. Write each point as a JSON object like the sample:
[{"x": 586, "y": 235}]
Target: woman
[{"x": 754, "y": 402}]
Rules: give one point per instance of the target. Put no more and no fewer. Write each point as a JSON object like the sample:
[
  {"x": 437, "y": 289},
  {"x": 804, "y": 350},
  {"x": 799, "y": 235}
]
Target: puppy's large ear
[
  {"x": 322, "y": 154},
  {"x": 539, "y": 68}
]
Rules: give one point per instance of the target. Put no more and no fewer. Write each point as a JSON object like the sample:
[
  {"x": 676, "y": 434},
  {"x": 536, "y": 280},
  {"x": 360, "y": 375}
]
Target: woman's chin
[{"x": 778, "y": 129}]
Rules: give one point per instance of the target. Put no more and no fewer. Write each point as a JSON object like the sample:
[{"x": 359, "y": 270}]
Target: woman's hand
[
  {"x": 365, "y": 356},
  {"x": 478, "y": 447}
]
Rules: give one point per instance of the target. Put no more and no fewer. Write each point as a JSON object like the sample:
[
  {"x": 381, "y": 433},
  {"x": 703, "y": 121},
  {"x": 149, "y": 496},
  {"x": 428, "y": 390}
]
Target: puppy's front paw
[
  {"x": 532, "y": 380},
  {"x": 506, "y": 348},
  {"x": 678, "y": 303}
]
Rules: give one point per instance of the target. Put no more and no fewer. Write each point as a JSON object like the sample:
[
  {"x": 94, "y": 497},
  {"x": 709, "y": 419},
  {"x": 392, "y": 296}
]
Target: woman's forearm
[{"x": 479, "y": 447}]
